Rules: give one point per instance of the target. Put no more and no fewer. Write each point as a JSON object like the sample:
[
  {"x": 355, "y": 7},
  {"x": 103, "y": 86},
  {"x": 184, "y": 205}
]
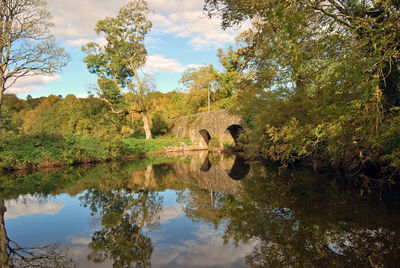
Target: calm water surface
[{"x": 193, "y": 211}]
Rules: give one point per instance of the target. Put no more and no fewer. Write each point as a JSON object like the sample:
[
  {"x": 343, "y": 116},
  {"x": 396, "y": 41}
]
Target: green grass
[
  {"x": 138, "y": 146},
  {"x": 26, "y": 151}
]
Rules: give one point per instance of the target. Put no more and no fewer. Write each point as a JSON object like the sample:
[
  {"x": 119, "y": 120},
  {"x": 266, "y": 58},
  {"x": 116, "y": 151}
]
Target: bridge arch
[
  {"x": 206, "y": 135},
  {"x": 230, "y": 135},
  {"x": 218, "y": 128},
  {"x": 235, "y": 130}
]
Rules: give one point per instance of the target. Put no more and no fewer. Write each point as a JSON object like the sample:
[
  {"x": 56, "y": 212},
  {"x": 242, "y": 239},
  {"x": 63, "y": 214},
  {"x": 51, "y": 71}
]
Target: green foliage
[
  {"x": 315, "y": 82},
  {"x": 228, "y": 146},
  {"x": 214, "y": 143},
  {"x": 160, "y": 124},
  {"x": 25, "y": 151},
  {"x": 71, "y": 116},
  {"x": 117, "y": 63},
  {"x": 12, "y": 102},
  {"x": 221, "y": 84},
  {"x": 9, "y": 120},
  {"x": 196, "y": 101}
]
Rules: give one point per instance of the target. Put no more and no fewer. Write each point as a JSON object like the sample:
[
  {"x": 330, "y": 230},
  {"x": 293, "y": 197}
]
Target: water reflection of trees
[
  {"x": 203, "y": 205},
  {"x": 299, "y": 221},
  {"x": 14, "y": 255},
  {"x": 121, "y": 196},
  {"x": 126, "y": 216},
  {"x": 295, "y": 220}
]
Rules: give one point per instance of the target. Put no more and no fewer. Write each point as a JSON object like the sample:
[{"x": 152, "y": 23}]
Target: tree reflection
[
  {"x": 14, "y": 255},
  {"x": 296, "y": 220},
  {"x": 202, "y": 204},
  {"x": 124, "y": 214},
  {"x": 300, "y": 220}
]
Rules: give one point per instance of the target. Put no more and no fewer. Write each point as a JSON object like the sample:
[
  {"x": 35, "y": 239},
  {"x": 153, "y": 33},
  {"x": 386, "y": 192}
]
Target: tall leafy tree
[
  {"x": 374, "y": 25},
  {"x": 207, "y": 79},
  {"x": 326, "y": 83},
  {"x": 118, "y": 63},
  {"x": 26, "y": 46}
]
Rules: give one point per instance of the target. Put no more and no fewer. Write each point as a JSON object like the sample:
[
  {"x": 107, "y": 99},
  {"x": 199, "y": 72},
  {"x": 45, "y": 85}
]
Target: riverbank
[{"x": 47, "y": 151}]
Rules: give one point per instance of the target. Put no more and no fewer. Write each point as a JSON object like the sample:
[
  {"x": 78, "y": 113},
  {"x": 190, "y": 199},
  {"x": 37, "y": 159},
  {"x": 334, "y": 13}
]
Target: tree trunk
[
  {"x": 4, "y": 257},
  {"x": 144, "y": 212},
  {"x": 147, "y": 176},
  {"x": 1, "y": 114},
  {"x": 146, "y": 126}
]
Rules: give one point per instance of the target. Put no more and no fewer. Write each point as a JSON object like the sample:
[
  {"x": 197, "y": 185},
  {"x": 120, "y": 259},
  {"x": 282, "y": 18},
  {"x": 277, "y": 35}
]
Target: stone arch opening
[
  {"x": 240, "y": 169},
  {"x": 206, "y": 136},
  {"x": 206, "y": 165},
  {"x": 235, "y": 130}
]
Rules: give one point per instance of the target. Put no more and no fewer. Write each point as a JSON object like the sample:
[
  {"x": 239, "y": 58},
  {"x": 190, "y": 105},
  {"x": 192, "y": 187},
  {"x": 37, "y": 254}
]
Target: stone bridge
[{"x": 216, "y": 129}]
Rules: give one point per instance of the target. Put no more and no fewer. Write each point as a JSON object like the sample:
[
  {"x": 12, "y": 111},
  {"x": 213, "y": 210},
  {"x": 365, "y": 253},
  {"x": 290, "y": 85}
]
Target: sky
[{"x": 182, "y": 37}]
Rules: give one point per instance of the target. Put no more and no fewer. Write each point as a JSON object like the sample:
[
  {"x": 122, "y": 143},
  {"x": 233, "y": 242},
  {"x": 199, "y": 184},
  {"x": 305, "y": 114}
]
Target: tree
[
  {"x": 204, "y": 77},
  {"x": 374, "y": 26},
  {"x": 326, "y": 83},
  {"x": 118, "y": 62},
  {"x": 220, "y": 84},
  {"x": 26, "y": 46}
]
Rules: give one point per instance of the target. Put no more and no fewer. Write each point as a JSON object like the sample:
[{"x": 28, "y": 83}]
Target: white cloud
[
  {"x": 195, "y": 66},
  {"x": 83, "y": 41},
  {"x": 151, "y": 40},
  {"x": 75, "y": 21},
  {"x": 28, "y": 84},
  {"x": 78, "y": 42},
  {"x": 202, "y": 31},
  {"x": 171, "y": 212},
  {"x": 207, "y": 249},
  {"x": 79, "y": 240},
  {"x": 199, "y": 44},
  {"x": 174, "y": 5},
  {"x": 28, "y": 205},
  {"x": 161, "y": 64},
  {"x": 82, "y": 96},
  {"x": 79, "y": 254}
]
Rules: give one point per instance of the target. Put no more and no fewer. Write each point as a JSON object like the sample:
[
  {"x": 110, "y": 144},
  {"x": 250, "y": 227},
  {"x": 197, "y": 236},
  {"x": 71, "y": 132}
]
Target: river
[{"x": 197, "y": 210}]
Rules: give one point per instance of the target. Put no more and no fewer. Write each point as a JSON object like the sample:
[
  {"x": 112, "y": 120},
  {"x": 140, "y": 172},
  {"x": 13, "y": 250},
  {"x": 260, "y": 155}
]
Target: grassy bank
[{"x": 24, "y": 152}]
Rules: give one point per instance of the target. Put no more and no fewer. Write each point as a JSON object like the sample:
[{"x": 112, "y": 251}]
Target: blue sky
[{"x": 182, "y": 36}]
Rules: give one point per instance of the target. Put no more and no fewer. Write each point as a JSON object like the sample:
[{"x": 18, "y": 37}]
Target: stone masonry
[{"x": 216, "y": 129}]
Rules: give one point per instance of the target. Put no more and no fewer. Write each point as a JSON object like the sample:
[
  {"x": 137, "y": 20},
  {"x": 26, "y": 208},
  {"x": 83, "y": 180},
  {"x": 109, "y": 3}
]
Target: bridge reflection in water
[{"x": 217, "y": 172}]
